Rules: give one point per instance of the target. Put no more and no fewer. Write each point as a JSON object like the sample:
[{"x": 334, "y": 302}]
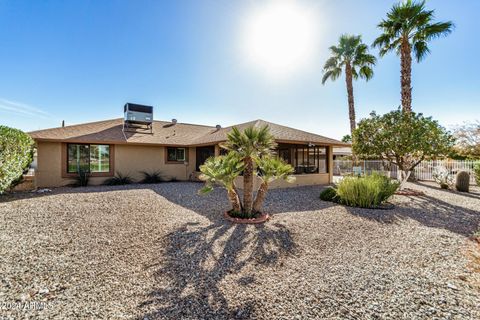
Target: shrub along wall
[{"x": 16, "y": 153}]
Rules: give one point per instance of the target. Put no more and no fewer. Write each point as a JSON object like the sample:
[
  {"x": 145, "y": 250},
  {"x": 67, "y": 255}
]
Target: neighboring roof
[
  {"x": 344, "y": 151},
  {"x": 166, "y": 133}
]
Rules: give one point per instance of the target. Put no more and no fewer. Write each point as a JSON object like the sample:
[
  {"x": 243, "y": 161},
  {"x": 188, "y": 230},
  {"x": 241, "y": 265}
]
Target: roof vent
[
  {"x": 174, "y": 121},
  {"x": 137, "y": 116},
  {"x": 218, "y": 127}
]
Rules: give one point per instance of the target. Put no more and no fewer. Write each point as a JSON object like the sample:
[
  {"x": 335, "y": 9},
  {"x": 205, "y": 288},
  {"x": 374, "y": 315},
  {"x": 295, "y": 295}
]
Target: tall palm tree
[
  {"x": 249, "y": 146},
  {"x": 352, "y": 57},
  {"x": 409, "y": 26}
]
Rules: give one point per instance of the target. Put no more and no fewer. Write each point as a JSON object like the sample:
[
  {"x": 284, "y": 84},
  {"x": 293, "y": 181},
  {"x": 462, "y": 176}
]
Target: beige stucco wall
[
  {"x": 49, "y": 167},
  {"x": 128, "y": 159},
  {"x": 132, "y": 159},
  {"x": 300, "y": 180},
  {"x": 48, "y": 172}
]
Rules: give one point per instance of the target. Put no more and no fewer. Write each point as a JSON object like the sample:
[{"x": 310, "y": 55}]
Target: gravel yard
[{"x": 164, "y": 252}]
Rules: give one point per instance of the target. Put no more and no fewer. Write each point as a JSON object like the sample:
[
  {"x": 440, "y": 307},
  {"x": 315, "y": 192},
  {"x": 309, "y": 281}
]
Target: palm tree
[
  {"x": 409, "y": 26},
  {"x": 271, "y": 169},
  {"x": 350, "y": 56},
  {"x": 249, "y": 146},
  {"x": 249, "y": 152},
  {"x": 223, "y": 170}
]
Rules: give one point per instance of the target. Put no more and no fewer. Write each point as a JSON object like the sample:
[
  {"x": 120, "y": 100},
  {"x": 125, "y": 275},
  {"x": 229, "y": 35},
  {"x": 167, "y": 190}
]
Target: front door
[{"x": 203, "y": 153}]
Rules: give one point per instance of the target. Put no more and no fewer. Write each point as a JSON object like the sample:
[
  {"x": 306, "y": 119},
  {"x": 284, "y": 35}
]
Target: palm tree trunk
[
  {"x": 238, "y": 197},
  {"x": 406, "y": 75},
  {"x": 260, "y": 198},
  {"x": 351, "y": 104},
  {"x": 234, "y": 200},
  {"x": 248, "y": 186}
]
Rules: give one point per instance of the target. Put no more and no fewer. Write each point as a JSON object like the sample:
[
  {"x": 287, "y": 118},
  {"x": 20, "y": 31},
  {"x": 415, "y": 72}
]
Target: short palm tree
[
  {"x": 271, "y": 169},
  {"x": 249, "y": 145},
  {"x": 250, "y": 153},
  {"x": 409, "y": 26},
  {"x": 350, "y": 56}
]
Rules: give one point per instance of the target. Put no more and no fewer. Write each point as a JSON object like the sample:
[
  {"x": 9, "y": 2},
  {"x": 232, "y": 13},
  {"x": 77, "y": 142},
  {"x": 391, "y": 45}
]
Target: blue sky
[{"x": 80, "y": 61}]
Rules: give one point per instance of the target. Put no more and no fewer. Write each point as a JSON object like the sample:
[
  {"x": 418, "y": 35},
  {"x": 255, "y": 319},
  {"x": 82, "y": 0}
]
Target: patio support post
[{"x": 330, "y": 163}]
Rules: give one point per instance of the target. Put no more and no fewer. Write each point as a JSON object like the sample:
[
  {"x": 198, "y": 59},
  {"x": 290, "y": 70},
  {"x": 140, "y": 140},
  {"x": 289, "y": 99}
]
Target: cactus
[{"x": 463, "y": 181}]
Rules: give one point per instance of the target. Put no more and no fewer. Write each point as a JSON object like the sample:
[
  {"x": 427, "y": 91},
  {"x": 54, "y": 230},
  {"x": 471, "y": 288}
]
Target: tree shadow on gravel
[
  {"x": 198, "y": 263},
  {"x": 297, "y": 199},
  {"x": 474, "y": 190},
  {"x": 26, "y": 195},
  {"x": 429, "y": 211},
  {"x": 185, "y": 194}
]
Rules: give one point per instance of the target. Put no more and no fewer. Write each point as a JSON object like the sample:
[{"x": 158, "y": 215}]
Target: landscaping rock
[{"x": 164, "y": 252}]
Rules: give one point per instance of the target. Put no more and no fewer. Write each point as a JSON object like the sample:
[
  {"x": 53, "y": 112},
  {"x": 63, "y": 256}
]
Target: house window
[
  {"x": 176, "y": 154},
  {"x": 88, "y": 157},
  {"x": 304, "y": 159}
]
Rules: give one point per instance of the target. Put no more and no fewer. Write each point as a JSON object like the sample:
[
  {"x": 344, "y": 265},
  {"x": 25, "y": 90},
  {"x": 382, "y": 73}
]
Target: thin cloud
[{"x": 22, "y": 109}]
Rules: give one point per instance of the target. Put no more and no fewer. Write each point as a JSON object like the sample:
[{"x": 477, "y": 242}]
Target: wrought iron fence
[{"x": 422, "y": 172}]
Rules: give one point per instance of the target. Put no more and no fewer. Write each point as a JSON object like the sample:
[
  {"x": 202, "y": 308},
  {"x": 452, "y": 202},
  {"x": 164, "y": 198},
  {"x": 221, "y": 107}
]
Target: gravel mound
[{"x": 164, "y": 252}]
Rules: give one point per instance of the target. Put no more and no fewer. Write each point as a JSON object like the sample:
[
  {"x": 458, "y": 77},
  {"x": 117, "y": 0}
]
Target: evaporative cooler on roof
[{"x": 137, "y": 117}]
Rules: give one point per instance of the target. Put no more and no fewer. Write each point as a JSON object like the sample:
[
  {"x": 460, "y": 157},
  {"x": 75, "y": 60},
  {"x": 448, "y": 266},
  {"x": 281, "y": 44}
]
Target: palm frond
[
  {"x": 222, "y": 170},
  {"x": 410, "y": 21},
  {"x": 384, "y": 42},
  {"x": 331, "y": 63},
  {"x": 436, "y": 30},
  {"x": 350, "y": 51},
  {"x": 354, "y": 73},
  {"x": 331, "y": 74},
  {"x": 273, "y": 168},
  {"x": 420, "y": 50},
  {"x": 252, "y": 142},
  {"x": 366, "y": 73}
]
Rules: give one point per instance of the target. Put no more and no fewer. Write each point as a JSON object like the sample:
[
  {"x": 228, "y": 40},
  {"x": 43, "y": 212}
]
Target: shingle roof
[
  {"x": 166, "y": 133},
  {"x": 281, "y": 133}
]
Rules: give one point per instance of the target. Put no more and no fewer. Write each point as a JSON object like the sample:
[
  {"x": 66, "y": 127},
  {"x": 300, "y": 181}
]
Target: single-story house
[{"x": 175, "y": 149}]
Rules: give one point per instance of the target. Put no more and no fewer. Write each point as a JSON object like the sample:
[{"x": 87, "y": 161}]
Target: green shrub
[
  {"x": 329, "y": 194},
  {"x": 16, "y": 154},
  {"x": 476, "y": 172},
  {"x": 443, "y": 177},
  {"x": 366, "y": 192},
  {"x": 118, "y": 179},
  {"x": 151, "y": 177}
]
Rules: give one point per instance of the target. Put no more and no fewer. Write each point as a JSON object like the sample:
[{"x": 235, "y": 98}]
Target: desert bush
[
  {"x": 16, "y": 154},
  {"x": 329, "y": 194},
  {"x": 151, "y": 177},
  {"x": 81, "y": 180},
  {"x": 476, "y": 172},
  {"x": 369, "y": 191},
  {"x": 118, "y": 179},
  {"x": 443, "y": 177}
]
